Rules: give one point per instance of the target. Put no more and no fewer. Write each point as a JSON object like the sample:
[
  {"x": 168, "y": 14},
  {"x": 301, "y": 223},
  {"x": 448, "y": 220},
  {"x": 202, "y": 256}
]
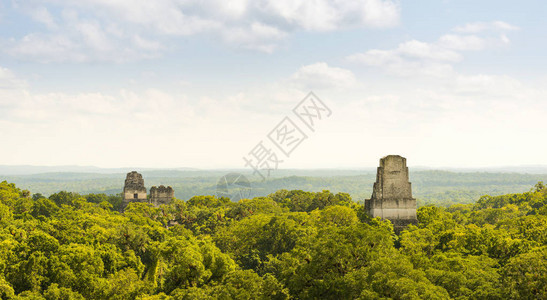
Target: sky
[{"x": 205, "y": 84}]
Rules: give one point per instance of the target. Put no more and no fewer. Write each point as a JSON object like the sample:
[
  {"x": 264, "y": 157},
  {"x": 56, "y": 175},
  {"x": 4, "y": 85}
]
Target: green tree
[{"x": 525, "y": 275}]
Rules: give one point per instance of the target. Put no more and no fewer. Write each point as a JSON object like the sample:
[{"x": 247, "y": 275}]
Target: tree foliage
[{"x": 291, "y": 244}]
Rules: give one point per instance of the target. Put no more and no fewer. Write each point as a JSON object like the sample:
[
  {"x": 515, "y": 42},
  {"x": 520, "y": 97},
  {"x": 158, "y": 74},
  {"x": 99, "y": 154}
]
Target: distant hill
[
  {"x": 31, "y": 170},
  {"x": 429, "y": 186}
]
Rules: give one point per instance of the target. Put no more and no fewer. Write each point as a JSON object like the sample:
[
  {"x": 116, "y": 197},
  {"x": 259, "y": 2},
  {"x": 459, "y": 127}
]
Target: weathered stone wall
[
  {"x": 134, "y": 190},
  {"x": 161, "y": 195},
  {"x": 392, "y": 193}
]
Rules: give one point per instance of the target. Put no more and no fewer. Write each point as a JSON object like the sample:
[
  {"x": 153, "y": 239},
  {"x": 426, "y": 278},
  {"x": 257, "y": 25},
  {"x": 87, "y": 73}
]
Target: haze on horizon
[{"x": 166, "y": 84}]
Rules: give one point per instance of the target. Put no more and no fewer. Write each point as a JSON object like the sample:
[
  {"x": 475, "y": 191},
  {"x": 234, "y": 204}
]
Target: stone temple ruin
[
  {"x": 392, "y": 194},
  {"x": 135, "y": 191},
  {"x": 161, "y": 195}
]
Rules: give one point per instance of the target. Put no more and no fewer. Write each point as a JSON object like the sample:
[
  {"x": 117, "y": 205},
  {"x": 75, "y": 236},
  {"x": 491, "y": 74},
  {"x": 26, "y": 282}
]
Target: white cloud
[
  {"x": 320, "y": 75},
  {"x": 430, "y": 58},
  {"x": 447, "y": 111},
  {"x": 462, "y": 42},
  {"x": 109, "y": 25},
  {"x": 331, "y": 15},
  {"x": 97, "y": 128},
  {"x": 42, "y": 15},
  {"x": 258, "y": 37},
  {"x": 410, "y": 58},
  {"x": 8, "y": 80},
  {"x": 146, "y": 44},
  {"x": 496, "y": 85},
  {"x": 44, "y": 48},
  {"x": 421, "y": 50},
  {"x": 426, "y": 68},
  {"x": 463, "y": 116},
  {"x": 82, "y": 40},
  {"x": 477, "y": 27}
]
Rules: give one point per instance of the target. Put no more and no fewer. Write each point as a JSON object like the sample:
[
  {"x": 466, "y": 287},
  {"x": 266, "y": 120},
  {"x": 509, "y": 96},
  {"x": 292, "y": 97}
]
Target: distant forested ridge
[
  {"x": 429, "y": 187},
  {"x": 290, "y": 244}
]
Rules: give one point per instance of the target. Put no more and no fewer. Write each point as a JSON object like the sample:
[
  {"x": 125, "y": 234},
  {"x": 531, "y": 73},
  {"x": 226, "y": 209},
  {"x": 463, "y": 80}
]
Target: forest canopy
[{"x": 291, "y": 244}]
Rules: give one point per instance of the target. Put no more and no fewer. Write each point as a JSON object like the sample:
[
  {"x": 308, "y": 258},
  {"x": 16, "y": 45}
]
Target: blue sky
[{"x": 172, "y": 83}]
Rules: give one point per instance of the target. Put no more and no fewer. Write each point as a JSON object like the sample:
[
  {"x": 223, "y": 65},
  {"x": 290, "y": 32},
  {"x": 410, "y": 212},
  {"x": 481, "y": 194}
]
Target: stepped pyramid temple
[
  {"x": 392, "y": 194},
  {"x": 134, "y": 191}
]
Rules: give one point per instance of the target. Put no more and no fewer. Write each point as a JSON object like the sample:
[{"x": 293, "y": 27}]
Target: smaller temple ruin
[
  {"x": 392, "y": 194},
  {"x": 161, "y": 195},
  {"x": 135, "y": 191}
]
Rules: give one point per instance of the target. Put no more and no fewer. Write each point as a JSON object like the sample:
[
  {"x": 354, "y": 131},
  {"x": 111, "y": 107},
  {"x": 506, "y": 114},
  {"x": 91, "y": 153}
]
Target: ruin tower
[
  {"x": 392, "y": 194},
  {"x": 161, "y": 195},
  {"x": 134, "y": 190}
]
